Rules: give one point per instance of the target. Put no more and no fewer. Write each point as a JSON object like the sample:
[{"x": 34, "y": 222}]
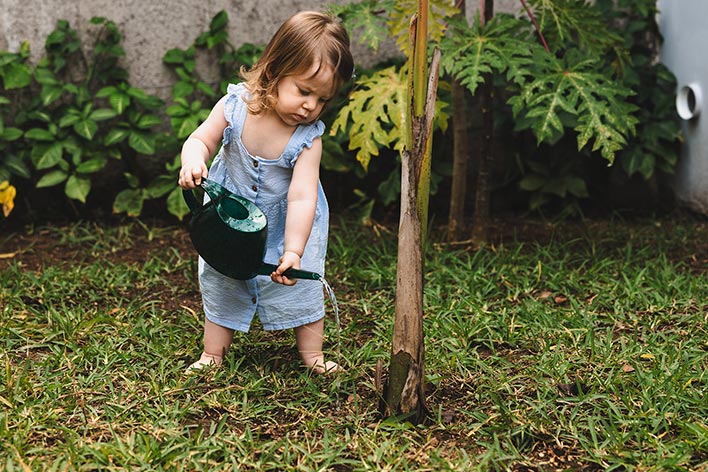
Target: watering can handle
[
  {"x": 191, "y": 201},
  {"x": 213, "y": 190},
  {"x": 267, "y": 269}
]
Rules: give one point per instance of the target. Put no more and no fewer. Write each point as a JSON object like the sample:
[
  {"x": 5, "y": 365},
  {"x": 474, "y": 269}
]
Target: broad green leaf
[
  {"x": 77, "y": 188},
  {"x": 103, "y": 114},
  {"x": 86, "y": 128},
  {"x": 174, "y": 56},
  {"x": 16, "y": 166},
  {"x": 51, "y": 156},
  {"x": 219, "y": 21},
  {"x": 50, "y": 93},
  {"x": 92, "y": 165},
  {"x": 10, "y": 134},
  {"x": 16, "y": 76},
  {"x": 52, "y": 178},
  {"x": 161, "y": 186},
  {"x": 577, "y": 187},
  {"x": 176, "y": 205},
  {"x": 216, "y": 39},
  {"x": 181, "y": 108},
  {"x": 119, "y": 102},
  {"x": 184, "y": 127},
  {"x": 532, "y": 182},
  {"x": 137, "y": 93},
  {"x": 39, "y": 134},
  {"x": 570, "y": 21},
  {"x": 45, "y": 76},
  {"x": 129, "y": 201},
  {"x": 148, "y": 121},
  {"x": 206, "y": 89},
  {"x": 69, "y": 119},
  {"x": 116, "y": 135},
  {"x": 144, "y": 143},
  {"x": 182, "y": 89},
  {"x": 106, "y": 92}
]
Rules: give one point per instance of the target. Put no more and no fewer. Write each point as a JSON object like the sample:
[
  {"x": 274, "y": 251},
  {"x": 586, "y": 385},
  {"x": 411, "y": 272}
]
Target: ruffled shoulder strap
[
  {"x": 302, "y": 138},
  {"x": 234, "y": 111}
]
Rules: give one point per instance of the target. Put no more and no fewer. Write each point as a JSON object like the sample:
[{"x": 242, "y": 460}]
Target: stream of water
[{"x": 335, "y": 308}]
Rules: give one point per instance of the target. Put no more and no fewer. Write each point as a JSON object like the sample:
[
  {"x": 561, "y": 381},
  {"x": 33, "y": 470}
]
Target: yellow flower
[{"x": 7, "y": 197}]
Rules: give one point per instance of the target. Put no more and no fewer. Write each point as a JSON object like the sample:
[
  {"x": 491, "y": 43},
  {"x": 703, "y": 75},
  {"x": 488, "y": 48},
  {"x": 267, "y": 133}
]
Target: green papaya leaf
[{"x": 376, "y": 106}]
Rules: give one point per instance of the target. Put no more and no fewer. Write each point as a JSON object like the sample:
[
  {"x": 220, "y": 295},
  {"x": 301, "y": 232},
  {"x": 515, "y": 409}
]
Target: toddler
[{"x": 268, "y": 131}]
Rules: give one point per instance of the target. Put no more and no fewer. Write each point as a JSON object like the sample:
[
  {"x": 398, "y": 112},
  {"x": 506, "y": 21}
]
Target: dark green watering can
[{"x": 229, "y": 232}]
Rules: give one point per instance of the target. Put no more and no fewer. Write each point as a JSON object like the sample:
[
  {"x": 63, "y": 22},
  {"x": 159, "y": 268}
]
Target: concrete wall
[{"x": 150, "y": 28}]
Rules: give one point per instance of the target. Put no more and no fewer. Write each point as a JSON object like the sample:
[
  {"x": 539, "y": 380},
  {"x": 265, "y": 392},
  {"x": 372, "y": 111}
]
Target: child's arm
[
  {"x": 200, "y": 146},
  {"x": 302, "y": 201}
]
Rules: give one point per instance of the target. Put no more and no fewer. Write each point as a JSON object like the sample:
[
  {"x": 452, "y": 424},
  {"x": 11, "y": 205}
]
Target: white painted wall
[{"x": 685, "y": 29}]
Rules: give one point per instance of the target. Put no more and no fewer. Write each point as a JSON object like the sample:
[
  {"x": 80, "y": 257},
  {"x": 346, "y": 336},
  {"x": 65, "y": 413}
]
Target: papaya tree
[
  {"x": 404, "y": 392},
  {"x": 404, "y": 117},
  {"x": 569, "y": 82}
]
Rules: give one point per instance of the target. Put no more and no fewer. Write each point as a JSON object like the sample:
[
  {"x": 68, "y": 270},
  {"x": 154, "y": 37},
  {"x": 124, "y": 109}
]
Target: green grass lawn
[{"x": 558, "y": 347}]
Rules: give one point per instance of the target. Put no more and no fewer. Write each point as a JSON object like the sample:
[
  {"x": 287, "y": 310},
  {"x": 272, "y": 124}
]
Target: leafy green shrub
[
  {"x": 16, "y": 76},
  {"x": 74, "y": 111},
  {"x": 64, "y": 120},
  {"x": 192, "y": 99}
]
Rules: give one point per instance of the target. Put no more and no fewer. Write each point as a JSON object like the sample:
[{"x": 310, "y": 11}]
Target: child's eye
[{"x": 303, "y": 92}]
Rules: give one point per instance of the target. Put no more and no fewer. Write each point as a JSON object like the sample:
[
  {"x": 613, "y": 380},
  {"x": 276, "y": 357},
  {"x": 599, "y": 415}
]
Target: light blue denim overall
[{"x": 232, "y": 303}]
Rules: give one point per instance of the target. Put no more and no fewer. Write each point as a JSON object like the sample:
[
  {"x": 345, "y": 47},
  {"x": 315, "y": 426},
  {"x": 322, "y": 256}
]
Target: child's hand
[
  {"x": 192, "y": 173},
  {"x": 288, "y": 260}
]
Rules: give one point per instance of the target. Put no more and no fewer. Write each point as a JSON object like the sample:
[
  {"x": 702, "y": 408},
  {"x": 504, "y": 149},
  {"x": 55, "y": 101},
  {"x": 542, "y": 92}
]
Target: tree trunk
[
  {"x": 460, "y": 162},
  {"x": 404, "y": 394},
  {"x": 461, "y": 156},
  {"x": 406, "y": 372},
  {"x": 483, "y": 193}
]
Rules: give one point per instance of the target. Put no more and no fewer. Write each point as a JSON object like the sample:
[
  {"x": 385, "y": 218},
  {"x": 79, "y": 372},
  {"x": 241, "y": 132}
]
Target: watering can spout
[{"x": 229, "y": 232}]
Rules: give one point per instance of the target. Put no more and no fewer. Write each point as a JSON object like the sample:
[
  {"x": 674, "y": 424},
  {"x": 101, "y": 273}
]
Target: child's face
[{"x": 301, "y": 98}]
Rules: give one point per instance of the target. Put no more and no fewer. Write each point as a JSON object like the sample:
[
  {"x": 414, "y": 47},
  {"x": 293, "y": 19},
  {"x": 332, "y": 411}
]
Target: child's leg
[
  {"x": 217, "y": 340},
  {"x": 309, "y": 342}
]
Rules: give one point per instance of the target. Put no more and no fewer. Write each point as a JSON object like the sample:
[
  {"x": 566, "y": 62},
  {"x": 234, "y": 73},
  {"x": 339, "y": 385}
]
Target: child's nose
[{"x": 310, "y": 103}]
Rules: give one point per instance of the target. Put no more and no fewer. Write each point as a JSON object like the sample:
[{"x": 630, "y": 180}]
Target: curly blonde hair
[{"x": 305, "y": 40}]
